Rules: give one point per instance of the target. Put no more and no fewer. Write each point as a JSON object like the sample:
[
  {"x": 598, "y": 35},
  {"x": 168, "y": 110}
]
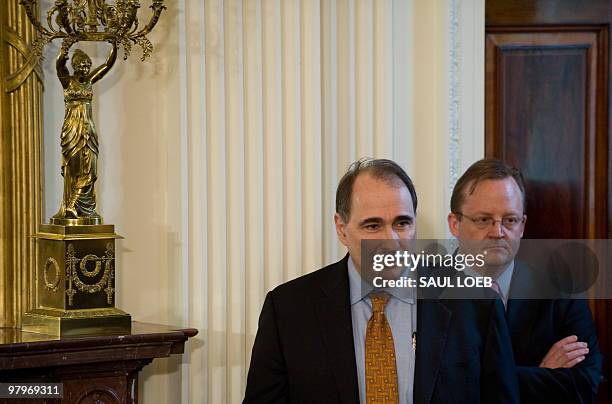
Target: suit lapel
[
  {"x": 433, "y": 320},
  {"x": 334, "y": 314}
]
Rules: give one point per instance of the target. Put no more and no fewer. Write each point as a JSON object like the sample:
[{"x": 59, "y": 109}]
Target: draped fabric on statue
[{"x": 79, "y": 143}]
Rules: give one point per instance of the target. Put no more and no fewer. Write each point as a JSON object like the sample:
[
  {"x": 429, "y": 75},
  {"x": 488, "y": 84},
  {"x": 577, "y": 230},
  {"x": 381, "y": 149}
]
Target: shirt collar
[{"x": 360, "y": 289}]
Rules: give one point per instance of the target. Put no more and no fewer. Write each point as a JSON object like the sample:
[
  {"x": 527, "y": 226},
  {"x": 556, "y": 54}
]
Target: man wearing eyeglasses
[{"x": 554, "y": 341}]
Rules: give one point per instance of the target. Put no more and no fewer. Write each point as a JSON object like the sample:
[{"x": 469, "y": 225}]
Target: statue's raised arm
[
  {"x": 105, "y": 67},
  {"x": 62, "y": 70}
]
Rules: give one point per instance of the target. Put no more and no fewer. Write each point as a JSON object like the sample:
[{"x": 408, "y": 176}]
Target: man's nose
[
  {"x": 391, "y": 233},
  {"x": 497, "y": 230}
]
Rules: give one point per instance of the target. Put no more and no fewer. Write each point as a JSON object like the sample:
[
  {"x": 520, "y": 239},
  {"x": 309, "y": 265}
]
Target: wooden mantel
[{"x": 92, "y": 369}]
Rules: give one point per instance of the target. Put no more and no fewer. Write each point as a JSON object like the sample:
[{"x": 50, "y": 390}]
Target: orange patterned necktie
[{"x": 380, "y": 370}]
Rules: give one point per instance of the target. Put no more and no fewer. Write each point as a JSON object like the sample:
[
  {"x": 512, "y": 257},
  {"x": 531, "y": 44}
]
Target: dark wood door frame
[{"x": 557, "y": 28}]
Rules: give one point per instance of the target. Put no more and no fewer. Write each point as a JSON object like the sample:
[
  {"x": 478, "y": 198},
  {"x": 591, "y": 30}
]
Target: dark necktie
[{"x": 497, "y": 289}]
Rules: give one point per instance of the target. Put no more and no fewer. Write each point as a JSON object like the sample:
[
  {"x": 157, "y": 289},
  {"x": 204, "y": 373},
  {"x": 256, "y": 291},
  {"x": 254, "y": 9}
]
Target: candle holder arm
[{"x": 157, "y": 6}]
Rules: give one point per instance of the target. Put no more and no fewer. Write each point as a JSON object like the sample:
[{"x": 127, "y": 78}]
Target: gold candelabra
[{"x": 74, "y": 295}]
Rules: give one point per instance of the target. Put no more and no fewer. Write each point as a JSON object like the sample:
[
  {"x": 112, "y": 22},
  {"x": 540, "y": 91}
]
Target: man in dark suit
[
  {"x": 554, "y": 340},
  {"x": 324, "y": 338}
]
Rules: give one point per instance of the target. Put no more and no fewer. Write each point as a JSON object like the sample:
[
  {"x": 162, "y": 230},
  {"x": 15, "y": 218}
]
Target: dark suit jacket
[
  {"x": 304, "y": 352},
  {"x": 535, "y": 325}
]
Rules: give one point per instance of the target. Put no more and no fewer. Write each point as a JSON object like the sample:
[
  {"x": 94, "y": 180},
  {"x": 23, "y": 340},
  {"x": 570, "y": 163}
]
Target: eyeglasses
[{"x": 483, "y": 222}]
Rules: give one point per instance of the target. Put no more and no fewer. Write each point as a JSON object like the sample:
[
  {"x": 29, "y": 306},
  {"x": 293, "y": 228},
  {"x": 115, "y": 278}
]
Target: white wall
[{"x": 220, "y": 154}]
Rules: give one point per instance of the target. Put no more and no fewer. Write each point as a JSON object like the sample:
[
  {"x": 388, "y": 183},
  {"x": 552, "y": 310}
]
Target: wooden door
[{"x": 547, "y": 106}]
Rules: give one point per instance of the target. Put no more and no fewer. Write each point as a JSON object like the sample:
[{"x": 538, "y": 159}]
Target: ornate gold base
[
  {"x": 64, "y": 323},
  {"x": 75, "y": 283}
]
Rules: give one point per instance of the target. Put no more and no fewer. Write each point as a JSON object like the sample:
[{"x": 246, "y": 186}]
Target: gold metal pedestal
[{"x": 75, "y": 282}]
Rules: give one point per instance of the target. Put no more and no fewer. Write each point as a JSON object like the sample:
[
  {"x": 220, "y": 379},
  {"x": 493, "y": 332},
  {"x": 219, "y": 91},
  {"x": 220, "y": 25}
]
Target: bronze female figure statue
[{"x": 79, "y": 140}]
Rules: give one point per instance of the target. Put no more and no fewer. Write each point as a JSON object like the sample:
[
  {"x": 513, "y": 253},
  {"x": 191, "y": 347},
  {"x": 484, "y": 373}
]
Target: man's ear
[
  {"x": 340, "y": 229},
  {"x": 523, "y": 226},
  {"x": 453, "y": 224}
]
